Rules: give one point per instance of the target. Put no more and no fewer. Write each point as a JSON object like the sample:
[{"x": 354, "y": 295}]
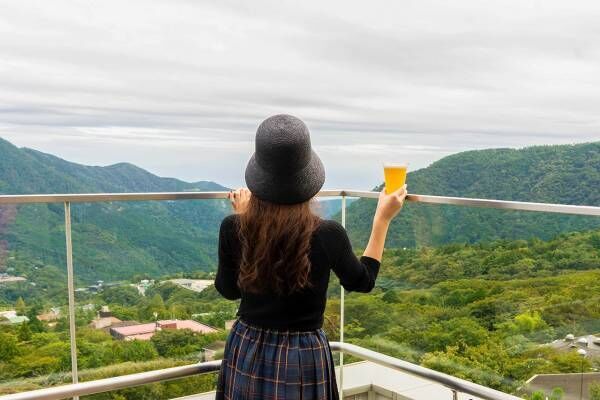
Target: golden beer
[{"x": 395, "y": 176}]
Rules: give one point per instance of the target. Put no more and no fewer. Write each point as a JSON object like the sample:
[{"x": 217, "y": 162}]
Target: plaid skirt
[{"x": 263, "y": 364}]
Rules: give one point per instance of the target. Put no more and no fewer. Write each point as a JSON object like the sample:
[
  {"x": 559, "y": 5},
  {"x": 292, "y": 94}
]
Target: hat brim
[{"x": 286, "y": 188}]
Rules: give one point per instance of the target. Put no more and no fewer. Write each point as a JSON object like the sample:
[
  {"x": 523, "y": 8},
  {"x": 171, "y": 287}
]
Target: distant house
[
  {"x": 105, "y": 319},
  {"x": 19, "y": 319},
  {"x": 120, "y": 324},
  {"x": 143, "y": 285},
  {"x": 146, "y": 331},
  {"x": 197, "y": 285},
  {"x": 51, "y": 315},
  {"x": 8, "y": 314},
  {"x": 10, "y": 317},
  {"x": 590, "y": 343},
  {"x": 5, "y": 278},
  {"x": 203, "y": 314},
  {"x": 104, "y": 322},
  {"x": 94, "y": 288},
  {"x": 105, "y": 312}
]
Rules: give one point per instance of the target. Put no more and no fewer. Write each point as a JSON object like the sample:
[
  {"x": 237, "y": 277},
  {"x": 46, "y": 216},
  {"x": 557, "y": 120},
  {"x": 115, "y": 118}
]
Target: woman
[{"x": 276, "y": 255}]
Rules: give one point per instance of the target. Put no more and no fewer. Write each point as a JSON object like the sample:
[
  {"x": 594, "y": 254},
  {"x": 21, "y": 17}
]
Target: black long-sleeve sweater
[{"x": 302, "y": 310}]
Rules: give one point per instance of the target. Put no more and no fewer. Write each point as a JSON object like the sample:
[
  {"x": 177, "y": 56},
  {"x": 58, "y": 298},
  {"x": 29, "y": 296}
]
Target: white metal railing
[
  {"x": 67, "y": 199},
  {"x": 116, "y": 383},
  {"x": 417, "y": 198},
  {"x": 455, "y": 385}
]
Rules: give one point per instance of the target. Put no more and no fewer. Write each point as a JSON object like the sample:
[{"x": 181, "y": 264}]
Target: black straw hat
[{"x": 284, "y": 168}]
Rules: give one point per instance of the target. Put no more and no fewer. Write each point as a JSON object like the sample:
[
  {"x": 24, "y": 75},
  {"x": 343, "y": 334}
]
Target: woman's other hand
[
  {"x": 239, "y": 199},
  {"x": 389, "y": 205}
]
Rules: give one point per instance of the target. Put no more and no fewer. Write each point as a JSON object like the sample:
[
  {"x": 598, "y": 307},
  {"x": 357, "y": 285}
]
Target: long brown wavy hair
[{"x": 275, "y": 241}]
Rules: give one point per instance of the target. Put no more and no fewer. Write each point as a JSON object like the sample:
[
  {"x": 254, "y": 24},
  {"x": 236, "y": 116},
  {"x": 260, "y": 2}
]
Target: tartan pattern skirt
[{"x": 264, "y": 364}]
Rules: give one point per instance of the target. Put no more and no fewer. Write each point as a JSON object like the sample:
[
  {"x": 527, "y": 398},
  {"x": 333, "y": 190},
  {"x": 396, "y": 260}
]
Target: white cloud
[{"x": 179, "y": 87}]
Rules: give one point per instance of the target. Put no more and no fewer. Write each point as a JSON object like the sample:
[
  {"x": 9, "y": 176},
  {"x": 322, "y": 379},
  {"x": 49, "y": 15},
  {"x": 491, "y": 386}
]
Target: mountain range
[
  {"x": 113, "y": 240},
  {"x": 117, "y": 240},
  {"x": 567, "y": 174}
]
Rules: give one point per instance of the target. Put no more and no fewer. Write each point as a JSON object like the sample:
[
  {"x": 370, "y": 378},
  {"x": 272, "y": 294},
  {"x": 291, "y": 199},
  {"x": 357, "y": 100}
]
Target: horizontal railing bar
[
  {"x": 460, "y": 385},
  {"x": 418, "y": 198},
  {"x": 104, "y": 197},
  {"x": 488, "y": 203},
  {"x": 116, "y": 383}
]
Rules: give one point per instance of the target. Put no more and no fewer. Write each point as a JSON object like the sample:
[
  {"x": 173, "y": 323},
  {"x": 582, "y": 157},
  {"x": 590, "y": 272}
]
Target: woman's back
[{"x": 301, "y": 310}]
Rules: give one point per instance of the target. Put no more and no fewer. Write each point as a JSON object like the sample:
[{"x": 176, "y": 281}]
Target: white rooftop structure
[
  {"x": 197, "y": 285},
  {"x": 590, "y": 343},
  {"x": 8, "y": 314}
]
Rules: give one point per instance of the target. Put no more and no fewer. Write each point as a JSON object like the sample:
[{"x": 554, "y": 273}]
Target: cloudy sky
[{"x": 179, "y": 87}]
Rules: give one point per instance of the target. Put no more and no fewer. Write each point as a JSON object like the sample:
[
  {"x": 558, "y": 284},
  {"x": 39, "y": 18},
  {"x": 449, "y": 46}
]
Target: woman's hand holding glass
[{"x": 389, "y": 205}]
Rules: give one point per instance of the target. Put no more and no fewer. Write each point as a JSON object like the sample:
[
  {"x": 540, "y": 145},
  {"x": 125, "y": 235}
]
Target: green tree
[
  {"x": 8, "y": 347},
  {"x": 20, "y": 306},
  {"x": 217, "y": 319},
  {"x": 175, "y": 343},
  {"x": 529, "y": 322},
  {"x": 557, "y": 394},
  {"x": 35, "y": 325},
  {"x": 122, "y": 295},
  {"x": 155, "y": 305},
  {"x": 24, "y": 332},
  {"x": 595, "y": 391},
  {"x": 138, "y": 350},
  {"x": 124, "y": 313},
  {"x": 539, "y": 395},
  {"x": 457, "y": 331},
  {"x": 390, "y": 296}
]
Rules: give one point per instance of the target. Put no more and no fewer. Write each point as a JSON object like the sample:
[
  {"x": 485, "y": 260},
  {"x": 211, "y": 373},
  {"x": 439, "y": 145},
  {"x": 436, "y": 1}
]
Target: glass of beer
[{"x": 395, "y": 176}]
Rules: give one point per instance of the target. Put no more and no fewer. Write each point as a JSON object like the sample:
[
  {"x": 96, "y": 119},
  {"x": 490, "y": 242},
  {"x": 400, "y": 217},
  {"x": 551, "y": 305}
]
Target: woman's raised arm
[{"x": 388, "y": 207}]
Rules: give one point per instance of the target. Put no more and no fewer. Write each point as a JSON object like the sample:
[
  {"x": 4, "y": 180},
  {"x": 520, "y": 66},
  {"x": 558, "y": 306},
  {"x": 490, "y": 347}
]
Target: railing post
[
  {"x": 342, "y": 317},
  {"x": 71, "y": 290},
  {"x": 454, "y": 395}
]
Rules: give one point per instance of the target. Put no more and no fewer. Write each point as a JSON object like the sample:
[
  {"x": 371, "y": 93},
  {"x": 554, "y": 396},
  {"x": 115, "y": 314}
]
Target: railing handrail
[
  {"x": 451, "y": 382},
  {"x": 115, "y": 383},
  {"x": 417, "y": 198},
  {"x": 144, "y": 378}
]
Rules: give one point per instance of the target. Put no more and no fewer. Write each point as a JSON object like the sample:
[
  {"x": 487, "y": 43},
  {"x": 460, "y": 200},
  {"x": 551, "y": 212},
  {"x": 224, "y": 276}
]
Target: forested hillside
[
  {"x": 568, "y": 174},
  {"x": 482, "y": 312},
  {"x": 111, "y": 241}
]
